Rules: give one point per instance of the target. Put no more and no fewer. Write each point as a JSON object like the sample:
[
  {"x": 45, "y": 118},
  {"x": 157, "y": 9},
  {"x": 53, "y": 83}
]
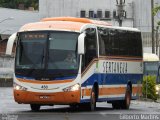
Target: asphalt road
[{"x": 10, "y": 110}]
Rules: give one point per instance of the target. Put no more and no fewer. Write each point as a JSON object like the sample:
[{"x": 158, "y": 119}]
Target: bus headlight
[
  {"x": 72, "y": 88},
  {"x": 157, "y": 88},
  {"x": 19, "y": 87}
]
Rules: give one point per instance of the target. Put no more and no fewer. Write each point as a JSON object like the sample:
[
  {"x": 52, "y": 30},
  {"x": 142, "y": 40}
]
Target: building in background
[{"x": 137, "y": 14}]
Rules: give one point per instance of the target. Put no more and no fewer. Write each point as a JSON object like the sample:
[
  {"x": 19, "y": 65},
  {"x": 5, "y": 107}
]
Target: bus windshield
[{"x": 47, "y": 55}]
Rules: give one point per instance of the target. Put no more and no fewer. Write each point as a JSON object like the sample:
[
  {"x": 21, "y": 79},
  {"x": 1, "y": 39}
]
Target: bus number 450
[{"x": 44, "y": 87}]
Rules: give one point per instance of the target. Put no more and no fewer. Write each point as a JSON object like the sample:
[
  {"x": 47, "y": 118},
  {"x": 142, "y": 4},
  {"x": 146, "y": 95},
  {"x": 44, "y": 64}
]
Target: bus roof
[
  {"x": 68, "y": 24},
  {"x": 61, "y": 23},
  {"x": 74, "y": 19},
  {"x": 150, "y": 57},
  {"x": 52, "y": 25}
]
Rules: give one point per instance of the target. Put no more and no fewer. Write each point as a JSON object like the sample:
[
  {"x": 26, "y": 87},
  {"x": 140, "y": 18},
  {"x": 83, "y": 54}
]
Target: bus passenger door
[{"x": 89, "y": 58}]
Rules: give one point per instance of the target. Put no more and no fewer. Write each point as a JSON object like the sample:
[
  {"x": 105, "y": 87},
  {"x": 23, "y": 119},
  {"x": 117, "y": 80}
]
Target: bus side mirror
[
  {"x": 81, "y": 44},
  {"x": 10, "y": 43}
]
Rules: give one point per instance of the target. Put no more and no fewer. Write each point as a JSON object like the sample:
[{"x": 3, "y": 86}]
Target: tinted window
[
  {"x": 104, "y": 41},
  {"x": 115, "y": 42},
  {"x": 47, "y": 54},
  {"x": 114, "y": 36},
  {"x": 135, "y": 44},
  {"x": 90, "y": 47},
  {"x": 139, "y": 44},
  {"x": 123, "y": 43}
]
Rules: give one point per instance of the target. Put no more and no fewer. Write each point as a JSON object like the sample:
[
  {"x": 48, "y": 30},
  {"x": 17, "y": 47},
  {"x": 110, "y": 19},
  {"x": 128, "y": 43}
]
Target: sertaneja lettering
[{"x": 115, "y": 67}]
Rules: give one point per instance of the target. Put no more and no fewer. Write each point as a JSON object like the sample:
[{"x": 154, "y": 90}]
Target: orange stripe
[
  {"x": 121, "y": 57},
  {"x": 105, "y": 91},
  {"x": 52, "y": 25},
  {"x": 112, "y": 91},
  {"x": 115, "y": 58},
  {"x": 136, "y": 90},
  {"x": 74, "y": 19},
  {"x": 44, "y": 82}
]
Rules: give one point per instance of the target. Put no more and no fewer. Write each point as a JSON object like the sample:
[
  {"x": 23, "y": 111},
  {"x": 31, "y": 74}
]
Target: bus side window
[
  {"x": 101, "y": 36},
  {"x": 90, "y": 47}
]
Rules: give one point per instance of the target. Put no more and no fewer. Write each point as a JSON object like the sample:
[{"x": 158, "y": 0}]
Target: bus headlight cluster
[
  {"x": 72, "y": 88},
  {"x": 19, "y": 87}
]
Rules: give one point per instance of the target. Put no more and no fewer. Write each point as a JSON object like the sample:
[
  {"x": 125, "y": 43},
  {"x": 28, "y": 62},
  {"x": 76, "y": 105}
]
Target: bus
[
  {"x": 151, "y": 63},
  {"x": 152, "y": 68},
  {"x": 76, "y": 62}
]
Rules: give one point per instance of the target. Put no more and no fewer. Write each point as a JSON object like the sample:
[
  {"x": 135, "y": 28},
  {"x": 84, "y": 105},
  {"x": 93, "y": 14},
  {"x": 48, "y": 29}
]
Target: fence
[{"x": 147, "y": 39}]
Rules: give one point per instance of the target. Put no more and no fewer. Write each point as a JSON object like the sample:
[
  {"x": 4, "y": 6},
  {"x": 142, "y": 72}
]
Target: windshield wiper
[{"x": 43, "y": 56}]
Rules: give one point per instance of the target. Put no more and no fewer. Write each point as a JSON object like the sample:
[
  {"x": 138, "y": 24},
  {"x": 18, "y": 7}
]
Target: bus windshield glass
[{"x": 47, "y": 55}]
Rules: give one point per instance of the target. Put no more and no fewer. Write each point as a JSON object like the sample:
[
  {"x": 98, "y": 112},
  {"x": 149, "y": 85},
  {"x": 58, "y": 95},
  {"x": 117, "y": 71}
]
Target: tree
[
  {"x": 155, "y": 12},
  {"x": 14, "y": 3},
  {"x": 148, "y": 87}
]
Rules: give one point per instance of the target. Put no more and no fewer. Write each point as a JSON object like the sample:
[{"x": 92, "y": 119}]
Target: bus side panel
[{"x": 112, "y": 77}]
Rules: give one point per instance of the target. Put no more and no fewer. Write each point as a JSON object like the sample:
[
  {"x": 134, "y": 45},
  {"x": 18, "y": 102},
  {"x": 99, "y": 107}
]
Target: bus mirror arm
[
  {"x": 10, "y": 43},
  {"x": 81, "y": 43}
]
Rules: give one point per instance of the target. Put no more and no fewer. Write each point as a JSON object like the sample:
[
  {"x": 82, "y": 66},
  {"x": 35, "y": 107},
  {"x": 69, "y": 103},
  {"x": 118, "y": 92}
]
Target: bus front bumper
[{"x": 27, "y": 97}]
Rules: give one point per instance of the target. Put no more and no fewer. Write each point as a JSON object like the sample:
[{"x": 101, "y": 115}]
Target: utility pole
[
  {"x": 120, "y": 11},
  {"x": 157, "y": 41},
  {"x": 152, "y": 23}
]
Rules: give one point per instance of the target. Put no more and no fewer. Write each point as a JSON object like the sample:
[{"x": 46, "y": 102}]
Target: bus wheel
[
  {"x": 74, "y": 106},
  {"x": 35, "y": 107},
  {"x": 93, "y": 100},
  {"x": 116, "y": 105},
  {"x": 126, "y": 103}
]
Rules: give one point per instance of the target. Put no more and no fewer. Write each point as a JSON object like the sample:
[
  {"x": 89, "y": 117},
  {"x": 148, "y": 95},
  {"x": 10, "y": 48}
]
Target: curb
[{"x": 149, "y": 100}]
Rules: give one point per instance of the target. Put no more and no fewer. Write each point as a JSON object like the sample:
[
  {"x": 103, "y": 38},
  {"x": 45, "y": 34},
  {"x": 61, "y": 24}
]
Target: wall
[
  {"x": 139, "y": 10},
  {"x": 54, "y": 8},
  {"x": 6, "y": 67}
]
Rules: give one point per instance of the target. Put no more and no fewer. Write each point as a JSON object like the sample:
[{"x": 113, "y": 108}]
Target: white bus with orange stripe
[{"x": 76, "y": 61}]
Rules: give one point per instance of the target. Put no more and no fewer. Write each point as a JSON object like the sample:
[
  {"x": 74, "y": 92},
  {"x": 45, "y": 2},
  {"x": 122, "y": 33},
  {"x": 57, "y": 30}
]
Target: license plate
[{"x": 44, "y": 97}]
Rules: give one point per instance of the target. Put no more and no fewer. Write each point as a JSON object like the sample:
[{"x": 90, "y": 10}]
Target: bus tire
[
  {"x": 126, "y": 103},
  {"x": 116, "y": 105},
  {"x": 74, "y": 107},
  {"x": 35, "y": 107},
  {"x": 92, "y": 105},
  {"x": 84, "y": 106}
]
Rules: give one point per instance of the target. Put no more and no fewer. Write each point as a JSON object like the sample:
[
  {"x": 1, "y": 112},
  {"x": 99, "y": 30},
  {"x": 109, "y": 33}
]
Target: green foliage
[
  {"x": 14, "y": 3},
  {"x": 151, "y": 91},
  {"x": 155, "y": 11}
]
